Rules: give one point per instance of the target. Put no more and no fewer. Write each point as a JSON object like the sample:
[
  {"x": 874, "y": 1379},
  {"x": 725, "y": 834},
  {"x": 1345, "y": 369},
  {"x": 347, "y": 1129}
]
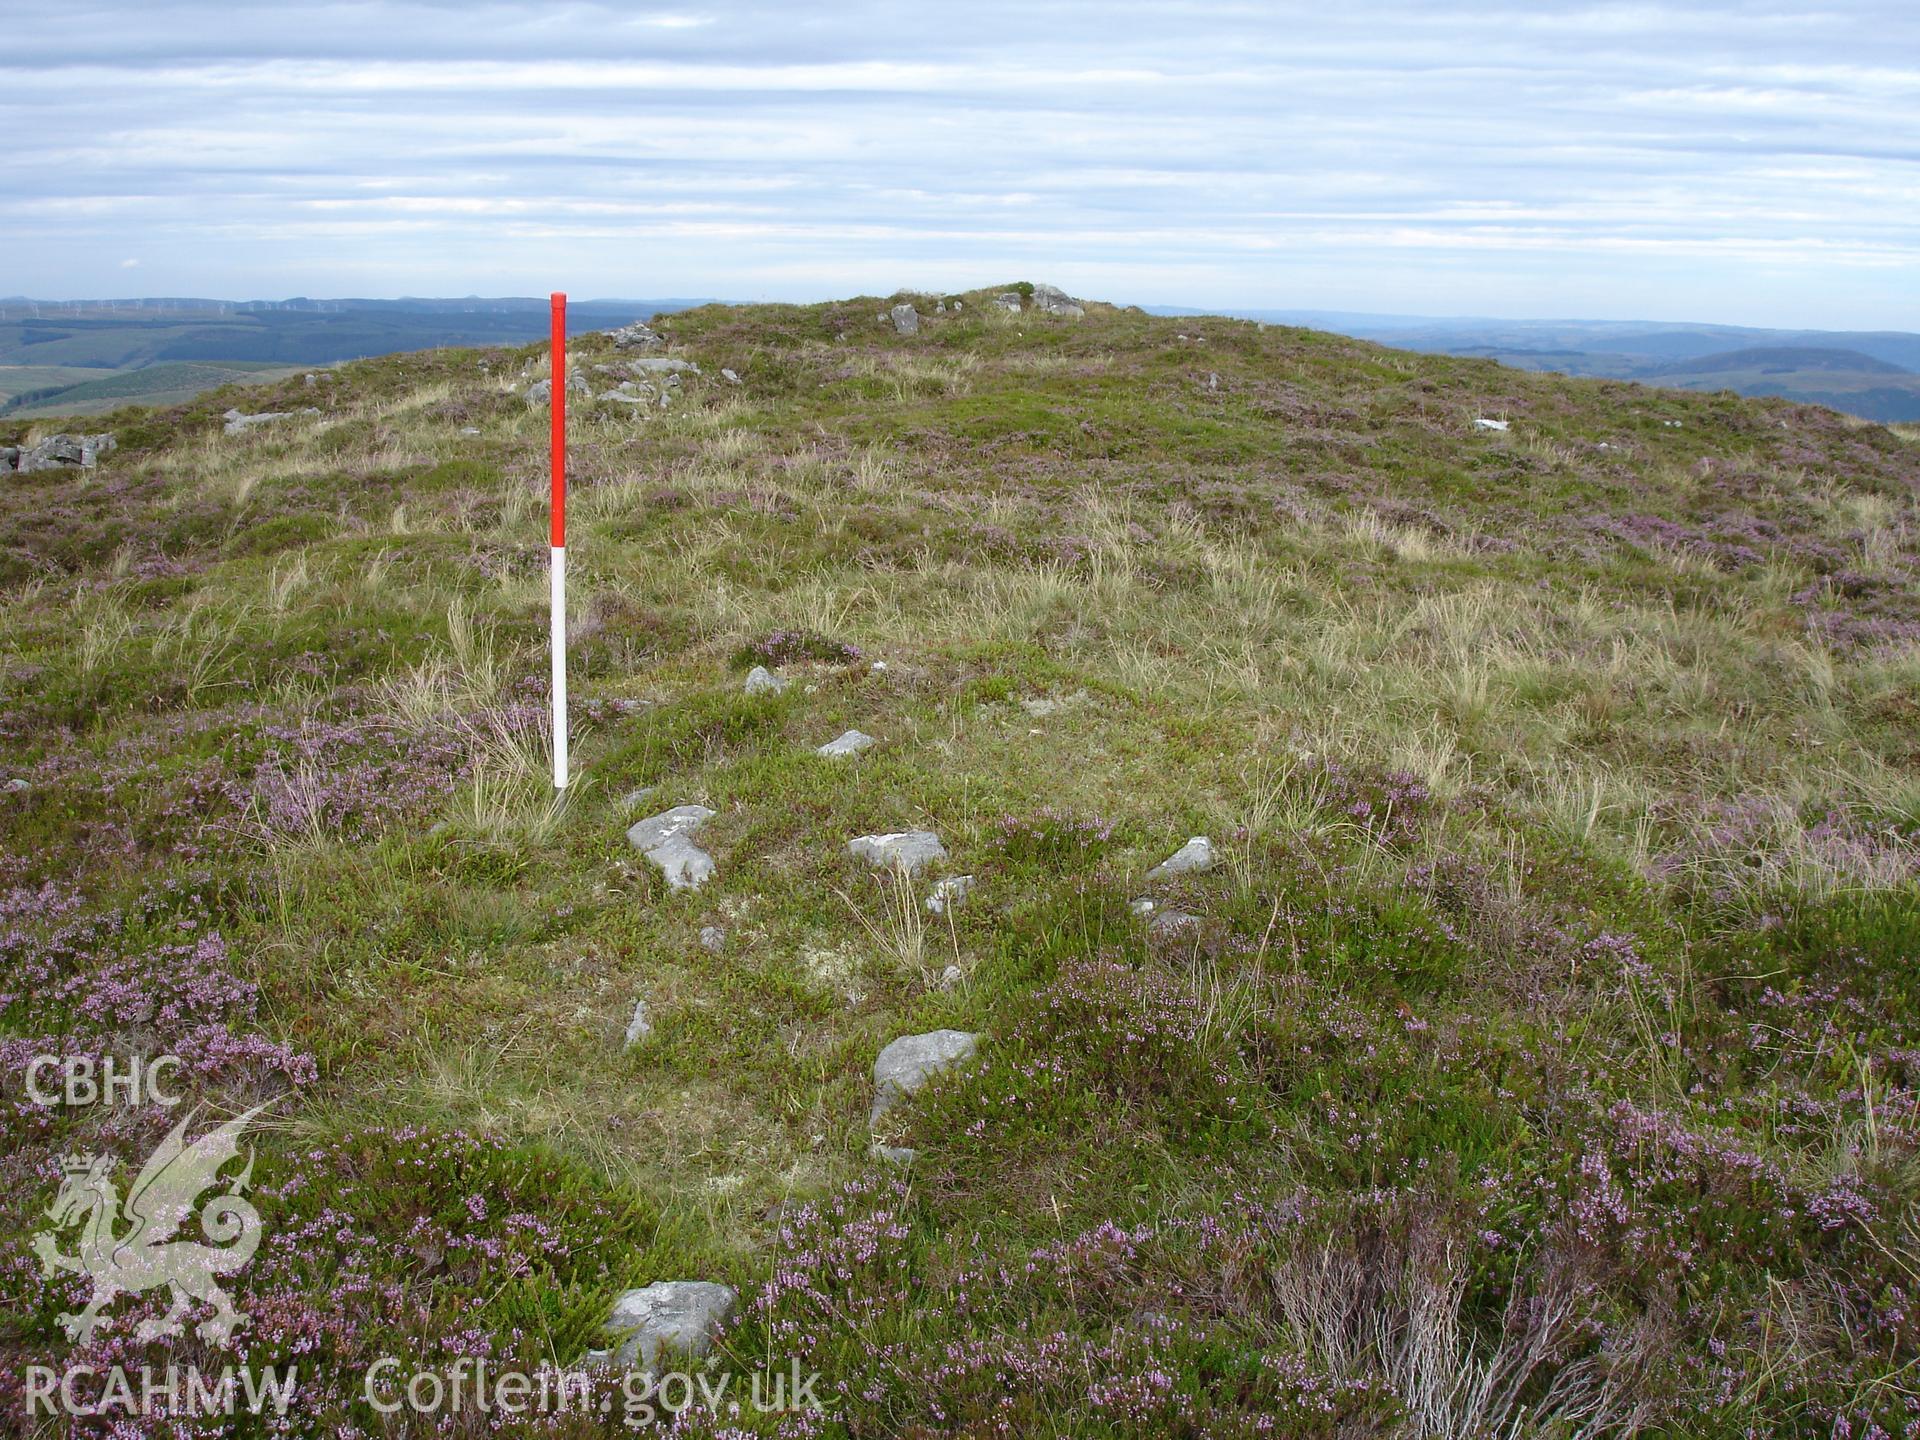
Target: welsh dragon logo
[{"x": 145, "y": 1255}]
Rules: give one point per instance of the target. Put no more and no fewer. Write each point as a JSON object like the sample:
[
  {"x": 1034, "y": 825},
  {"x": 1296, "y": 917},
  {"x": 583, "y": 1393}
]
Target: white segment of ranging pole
[{"x": 559, "y": 540}]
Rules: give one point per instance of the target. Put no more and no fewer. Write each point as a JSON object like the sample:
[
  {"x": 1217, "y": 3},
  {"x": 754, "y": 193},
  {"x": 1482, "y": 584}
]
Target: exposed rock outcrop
[
  {"x": 666, "y": 840},
  {"x": 57, "y": 452},
  {"x": 908, "y": 850}
]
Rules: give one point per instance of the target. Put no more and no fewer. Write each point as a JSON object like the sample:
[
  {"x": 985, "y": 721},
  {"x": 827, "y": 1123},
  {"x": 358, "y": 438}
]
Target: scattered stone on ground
[
  {"x": 1052, "y": 300},
  {"x": 666, "y": 840},
  {"x": 670, "y": 1317},
  {"x": 634, "y": 799},
  {"x": 850, "y": 742},
  {"x": 908, "y": 850},
  {"x": 469, "y": 429},
  {"x": 662, "y": 365},
  {"x": 895, "y": 1154},
  {"x": 57, "y": 452},
  {"x": 762, "y": 681},
  {"x": 712, "y": 939},
  {"x": 1485, "y": 424},
  {"x": 15, "y": 786},
  {"x": 912, "y": 1060},
  {"x": 729, "y": 376},
  {"x": 635, "y": 337},
  {"x": 1194, "y": 856},
  {"x": 950, "y": 891},
  {"x": 940, "y": 308},
  {"x": 1169, "y": 923},
  {"x": 905, "y": 320},
  {"x": 238, "y": 421},
  {"x": 1009, "y": 300},
  {"x": 1041, "y": 708},
  {"x": 951, "y": 976},
  {"x": 639, "y": 1027},
  {"x": 541, "y": 391},
  {"x": 1213, "y": 381},
  {"x": 1143, "y": 906}
]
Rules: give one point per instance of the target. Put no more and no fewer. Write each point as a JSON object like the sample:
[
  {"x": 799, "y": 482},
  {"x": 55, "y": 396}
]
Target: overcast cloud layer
[{"x": 1754, "y": 163}]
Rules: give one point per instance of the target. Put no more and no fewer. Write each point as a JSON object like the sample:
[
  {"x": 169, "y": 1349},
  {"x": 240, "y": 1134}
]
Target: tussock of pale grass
[
  {"x": 874, "y": 472},
  {"x": 1403, "y": 1318},
  {"x": 894, "y": 919},
  {"x": 509, "y": 794},
  {"x": 466, "y": 677}
]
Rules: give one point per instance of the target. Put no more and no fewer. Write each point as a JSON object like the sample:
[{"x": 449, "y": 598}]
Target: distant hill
[
  {"x": 1783, "y": 359},
  {"x": 1869, "y": 373},
  {"x": 206, "y": 340},
  {"x": 167, "y": 383}
]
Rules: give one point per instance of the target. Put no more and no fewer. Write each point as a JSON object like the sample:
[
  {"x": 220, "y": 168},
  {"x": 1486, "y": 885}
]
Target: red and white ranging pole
[{"x": 559, "y": 541}]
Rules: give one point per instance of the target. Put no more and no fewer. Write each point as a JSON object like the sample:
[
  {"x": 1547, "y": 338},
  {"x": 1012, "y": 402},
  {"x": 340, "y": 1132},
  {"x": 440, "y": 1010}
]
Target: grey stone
[
  {"x": 1482, "y": 423},
  {"x": 9, "y": 457},
  {"x": 912, "y": 1060},
  {"x": 762, "y": 681},
  {"x": 635, "y": 337},
  {"x": 15, "y": 786},
  {"x": 850, "y": 742},
  {"x": 1052, "y": 300},
  {"x": 728, "y": 376},
  {"x": 639, "y": 1027},
  {"x": 712, "y": 939},
  {"x": 541, "y": 391},
  {"x": 1169, "y": 924},
  {"x": 672, "y": 1318},
  {"x": 907, "y": 850},
  {"x": 941, "y": 308},
  {"x": 663, "y": 365},
  {"x": 894, "y": 1154},
  {"x": 634, "y": 799},
  {"x": 63, "y": 452},
  {"x": 469, "y": 429},
  {"x": 622, "y": 397},
  {"x": 1191, "y": 858},
  {"x": 1143, "y": 906},
  {"x": 1010, "y": 300},
  {"x": 666, "y": 840},
  {"x": 951, "y": 976},
  {"x": 238, "y": 421},
  {"x": 905, "y": 320},
  {"x": 950, "y": 891}
]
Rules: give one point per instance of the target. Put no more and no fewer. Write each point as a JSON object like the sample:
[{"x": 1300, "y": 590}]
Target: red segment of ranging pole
[{"x": 559, "y": 541}]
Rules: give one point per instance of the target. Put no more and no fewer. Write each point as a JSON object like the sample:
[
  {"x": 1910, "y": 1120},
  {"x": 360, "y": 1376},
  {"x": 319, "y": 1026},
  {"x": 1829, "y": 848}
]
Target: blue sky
[{"x": 1751, "y": 163}]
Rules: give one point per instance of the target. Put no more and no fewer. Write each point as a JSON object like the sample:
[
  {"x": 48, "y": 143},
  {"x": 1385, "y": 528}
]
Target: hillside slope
[
  {"x": 1864, "y": 373},
  {"x": 74, "y": 355},
  {"x": 1536, "y": 1055}
]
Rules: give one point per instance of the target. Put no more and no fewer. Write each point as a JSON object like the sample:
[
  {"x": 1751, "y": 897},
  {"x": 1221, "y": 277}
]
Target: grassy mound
[{"x": 1537, "y": 1061}]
